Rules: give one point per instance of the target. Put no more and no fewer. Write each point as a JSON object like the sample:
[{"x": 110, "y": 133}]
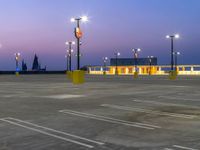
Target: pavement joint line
[
  {"x": 179, "y": 98},
  {"x": 182, "y": 147},
  {"x": 110, "y": 120},
  {"x": 64, "y": 133},
  {"x": 163, "y": 103},
  {"x": 149, "y": 111},
  {"x": 49, "y": 134}
]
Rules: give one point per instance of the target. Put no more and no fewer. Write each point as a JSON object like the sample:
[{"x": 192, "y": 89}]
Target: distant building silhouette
[
  {"x": 36, "y": 65},
  {"x": 24, "y": 66}
]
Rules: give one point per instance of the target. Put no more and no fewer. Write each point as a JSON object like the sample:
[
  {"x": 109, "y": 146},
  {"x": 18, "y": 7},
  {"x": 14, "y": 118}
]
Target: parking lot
[{"x": 48, "y": 112}]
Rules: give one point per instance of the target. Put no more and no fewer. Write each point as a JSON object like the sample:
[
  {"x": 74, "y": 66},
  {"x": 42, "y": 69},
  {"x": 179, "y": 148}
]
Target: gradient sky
[{"x": 43, "y": 26}]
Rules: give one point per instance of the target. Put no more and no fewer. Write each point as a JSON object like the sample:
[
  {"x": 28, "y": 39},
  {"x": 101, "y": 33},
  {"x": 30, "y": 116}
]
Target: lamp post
[
  {"x": 69, "y": 54},
  {"x": 135, "y": 55},
  {"x": 78, "y": 34},
  {"x": 67, "y": 60},
  {"x": 176, "y": 59},
  {"x": 172, "y": 37},
  {"x": 116, "y": 59},
  {"x": 17, "y": 56},
  {"x": 105, "y": 59},
  {"x": 150, "y": 63}
]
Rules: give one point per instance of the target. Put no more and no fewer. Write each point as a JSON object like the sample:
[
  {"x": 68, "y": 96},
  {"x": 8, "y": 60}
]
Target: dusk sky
[{"x": 43, "y": 27}]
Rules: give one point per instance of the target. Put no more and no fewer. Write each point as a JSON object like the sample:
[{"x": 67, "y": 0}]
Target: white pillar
[{"x": 192, "y": 69}]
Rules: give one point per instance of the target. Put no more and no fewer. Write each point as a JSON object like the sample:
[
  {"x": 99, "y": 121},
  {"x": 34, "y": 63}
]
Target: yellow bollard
[
  {"x": 135, "y": 74},
  {"x": 173, "y": 75},
  {"x": 69, "y": 74},
  {"x": 17, "y": 74},
  {"x": 78, "y": 77}
]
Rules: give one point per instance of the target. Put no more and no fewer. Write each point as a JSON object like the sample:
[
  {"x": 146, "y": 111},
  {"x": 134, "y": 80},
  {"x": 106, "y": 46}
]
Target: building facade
[
  {"x": 145, "y": 70},
  {"x": 133, "y": 61}
]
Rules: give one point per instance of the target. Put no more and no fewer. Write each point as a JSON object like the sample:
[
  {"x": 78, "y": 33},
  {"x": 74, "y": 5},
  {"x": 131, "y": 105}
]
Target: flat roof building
[{"x": 133, "y": 61}]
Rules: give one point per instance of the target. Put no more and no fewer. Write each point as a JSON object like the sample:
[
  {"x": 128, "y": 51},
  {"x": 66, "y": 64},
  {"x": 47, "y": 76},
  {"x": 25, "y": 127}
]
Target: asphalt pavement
[{"x": 48, "y": 112}]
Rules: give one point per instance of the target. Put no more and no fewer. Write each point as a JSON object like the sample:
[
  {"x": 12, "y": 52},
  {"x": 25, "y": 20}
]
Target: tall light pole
[
  {"x": 69, "y": 54},
  {"x": 135, "y": 55},
  {"x": 78, "y": 34},
  {"x": 105, "y": 59},
  {"x": 67, "y": 60},
  {"x": 17, "y": 57},
  {"x": 150, "y": 63},
  {"x": 176, "y": 59},
  {"x": 172, "y": 37},
  {"x": 116, "y": 60}
]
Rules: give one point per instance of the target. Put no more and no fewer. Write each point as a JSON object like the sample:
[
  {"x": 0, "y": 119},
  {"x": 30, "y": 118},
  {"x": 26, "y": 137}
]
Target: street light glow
[
  {"x": 73, "y": 20},
  {"x": 84, "y": 19},
  {"x": 17, "y": 54},
  {"x": 136, "y": 49},
  {"x": 105, "y": 59},
  {"x": 118, "y": 54},
  {"x": 173, "y": 36},
  {"x": 167, "y": 36},
  {"x": 177, "y": 36},
  {"x": 72, "y": 42}
]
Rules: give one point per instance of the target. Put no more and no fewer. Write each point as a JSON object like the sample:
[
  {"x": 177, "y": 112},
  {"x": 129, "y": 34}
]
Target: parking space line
[
  {"x": 110, "y": 120},
  {"x": 46, "y": 133},
  {"x": 64, "y": 133},
  {"x": 182, "y": 147},
  {"x": 163, "y": 103},
  {"x": 149, "y": 111},
  {"x": 179, "y": 98}
]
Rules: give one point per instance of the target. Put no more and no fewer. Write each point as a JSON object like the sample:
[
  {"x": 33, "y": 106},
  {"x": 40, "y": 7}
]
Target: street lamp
[
  {"x": 172, "y": 37},
  {"x": 116, "y": 60},
  {"x": 135, "y": 55},
  {"x": 150, "y": 63},
  {"x": 105, "y": 59},
  {"x": 176, "y": 59},
  {"x": 67, "y": 60},
  {"x": 78, "y": 34},
  {"x": 69, "y": 55},
  {"x": 17, "y": 57}
]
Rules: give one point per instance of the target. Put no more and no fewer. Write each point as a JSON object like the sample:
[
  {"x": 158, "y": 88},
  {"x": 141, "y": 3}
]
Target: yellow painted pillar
[
  {"x": 78, "y": 77},
  {"x": 69, "y": 74},
  {"x": 17, "y": 74}
]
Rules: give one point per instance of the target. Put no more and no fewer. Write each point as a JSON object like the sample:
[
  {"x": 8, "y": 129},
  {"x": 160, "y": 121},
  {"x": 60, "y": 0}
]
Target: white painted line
[
  {"x": 64, "y": 133},
  {"x": 168, "y": 149},
  {"x": 162, "y": 103},
  {"x": 150, "y": 111},
  {"x": 49, "y": 134},
  {"x": 179, "y": 98},
  {"x": 110, "y": 120},
  {"x": 63, "y": 96},
  {"x": 182, "y": 147},
  {"x": 176, "y": 86}
]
